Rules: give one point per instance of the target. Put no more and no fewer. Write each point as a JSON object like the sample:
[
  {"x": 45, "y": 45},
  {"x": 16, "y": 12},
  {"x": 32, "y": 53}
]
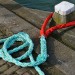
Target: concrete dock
[{"x": 61, "y": 48}]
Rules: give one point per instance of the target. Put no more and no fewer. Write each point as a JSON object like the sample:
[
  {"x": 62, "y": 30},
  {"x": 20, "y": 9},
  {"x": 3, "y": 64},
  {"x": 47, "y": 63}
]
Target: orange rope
[{"x": 50, "y": 30}]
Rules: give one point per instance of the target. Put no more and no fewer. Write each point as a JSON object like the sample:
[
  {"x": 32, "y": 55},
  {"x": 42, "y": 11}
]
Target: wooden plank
[
  {"x": 5, "y": 67},
  {"x": 27, "y": 73},
  {"x": 2, "y": 62},
  {"x": 67, "y": 36},
  {"x": 36, "y": 18},
  {"x": 21, "y": 71},
  {"x": 11, "y": 70},
  {"x": 60, "y": 57}
]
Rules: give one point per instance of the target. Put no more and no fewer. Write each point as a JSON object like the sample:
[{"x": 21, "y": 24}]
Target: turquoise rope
[{"x": 21, "y": 36}]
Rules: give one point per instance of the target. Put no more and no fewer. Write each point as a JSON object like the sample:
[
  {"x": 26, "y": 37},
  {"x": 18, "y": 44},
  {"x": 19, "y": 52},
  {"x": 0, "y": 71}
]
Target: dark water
[{"x": 41, "y": 4}]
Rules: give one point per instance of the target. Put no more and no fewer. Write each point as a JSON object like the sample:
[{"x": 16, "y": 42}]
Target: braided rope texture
[{"x": 24, "y": 37}]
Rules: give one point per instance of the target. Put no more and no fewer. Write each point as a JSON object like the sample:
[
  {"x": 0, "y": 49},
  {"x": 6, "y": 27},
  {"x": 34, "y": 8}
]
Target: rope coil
[
  {"x": 21, "y": 36},
  {"x": 6, "y": 55}
]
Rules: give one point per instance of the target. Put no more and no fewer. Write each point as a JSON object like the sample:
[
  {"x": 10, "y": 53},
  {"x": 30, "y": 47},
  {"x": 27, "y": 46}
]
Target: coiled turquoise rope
[{"x": 21, "y": 36}]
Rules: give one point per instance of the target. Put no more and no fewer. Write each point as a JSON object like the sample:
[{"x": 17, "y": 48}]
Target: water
[{"x": 47, "y": 5}]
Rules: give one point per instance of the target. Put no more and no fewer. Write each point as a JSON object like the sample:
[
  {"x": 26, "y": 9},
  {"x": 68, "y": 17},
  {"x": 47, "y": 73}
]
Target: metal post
[{"x": 64, "y": 12}]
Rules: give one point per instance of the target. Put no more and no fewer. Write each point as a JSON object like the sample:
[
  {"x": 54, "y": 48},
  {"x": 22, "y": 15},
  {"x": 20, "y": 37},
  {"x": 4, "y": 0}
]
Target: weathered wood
[
  {"x": 21, "y": 71},
  {"x": 27, "y": 73},
  {"x": 36, "y": 17},
  {"x": 61, "y": 57},
  {"x": 11, "y": 70},
  {"x": 2, "y": 62},
  {"x": 5, "y": 67}
]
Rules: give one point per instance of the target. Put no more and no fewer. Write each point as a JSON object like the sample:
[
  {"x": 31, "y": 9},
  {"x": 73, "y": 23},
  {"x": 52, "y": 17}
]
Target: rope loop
[
  {"x": 24, "y": 37},
  {"x": 21, "y": 36},
  {"x": 50, "y": 30}
]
